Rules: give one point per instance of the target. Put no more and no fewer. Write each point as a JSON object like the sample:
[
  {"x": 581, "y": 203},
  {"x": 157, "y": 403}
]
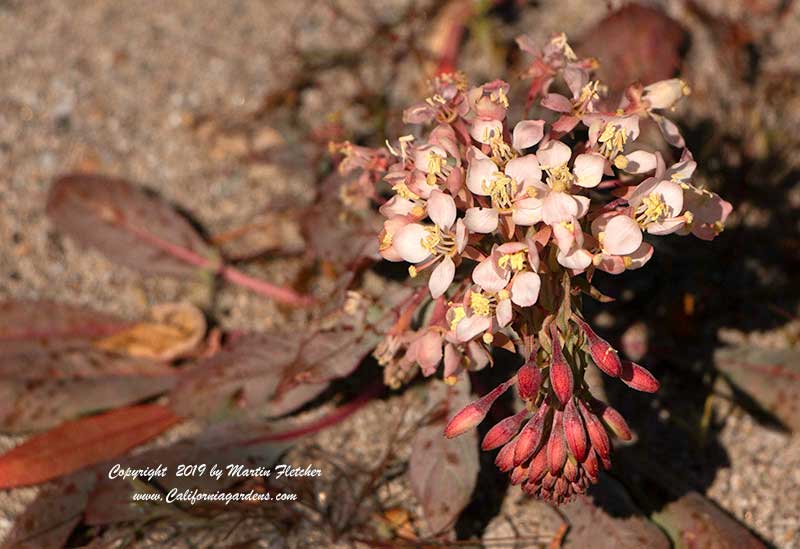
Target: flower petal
[
  {"x": 527, "y": 133},
  {"x": 525, "y": 290},
  {"x": 471, "y": 326},
  {"x": 442, "y": 209},
  {"x": 504, "y": 312},
  {"x": 553, "y": 154},
  {"x": 556, "y": 102},
  {"x": 640, "y": 162},
  {"x": 429, "y": 351},
  {"x": 489, "y": 276},
  {"x": 482, "y": 130},
  {"x": 588, "y": 169},
  {"x": 441, "y": 277},
  {"x": 481, "y": 220},
  {"x": 524, "y": 169},
  {"x": 558, "y": 207},
  {"x": 480, "y": 172},
  {"x": 408, "y": 243},
  {"x": 622, "y": 236}
]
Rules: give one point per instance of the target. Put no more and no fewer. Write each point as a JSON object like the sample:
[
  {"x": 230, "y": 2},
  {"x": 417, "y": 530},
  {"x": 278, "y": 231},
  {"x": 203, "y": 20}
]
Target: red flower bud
[
  {"x": 531, "y": 436},
  {"x": 574, "y": 431},
  {"x": 560, "y": 372},
  {"x": 503, "y": 431},
  {"x": 519, "y": 474},
  {"x": 597, "y": 432},
  {"x": 603, "y": 354},
  {"x": 615, "y": 422},
  {"x": 474, "y": 413},
  {"x": 505, "y": 457},
  {"x": 556, "y": 446},
  {"x": 538, "y": 466},
  {"x": 638, "y": 378},
  {"x": 529, "y": 379},
  {"x": 591, "y": 466},
  {"x": 571, "y": 470}
]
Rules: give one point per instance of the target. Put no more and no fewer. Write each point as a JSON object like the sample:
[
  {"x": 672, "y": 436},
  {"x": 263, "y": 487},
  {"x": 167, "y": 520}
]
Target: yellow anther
[
  {"x": 503, "y": 294},
  {"x": 501, "y": 151},
  {"x": 417, "y": 211},
  {"x": 560, "y": 41},
  {"x": 654, "y": 208},
  {"x": 458, "y": 315},
  {"x": 431, "y": 239},
  {"x": 685, "y": 89},
  {"x": 718, "y": 227},
  {"x": 559, "y": 178},
  {"x": 480, "y": 304},
  {"x": 621, "y": 161},
  {"x": 515, "y": 261},
  {"x": 532, "y": 192},
  {"x": 627, "y": 261},
  {"x": 403, "y": 191},
  {"x": 488, "y": 338},
  {"x": 412, "y": 271},
  {"x": 502, "y": 189},
  {"x": 588, "y": 92},
  {"x": 612, "y": 140},
  {"x": 499, "y": 97},
  {"x": 451, "y": 380},
  {"x": 688, "y": 217},
  {"x": 386, "y": 241}
]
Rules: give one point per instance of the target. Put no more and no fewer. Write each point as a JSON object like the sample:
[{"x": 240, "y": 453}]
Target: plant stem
[{"x": 279, "y": 293}]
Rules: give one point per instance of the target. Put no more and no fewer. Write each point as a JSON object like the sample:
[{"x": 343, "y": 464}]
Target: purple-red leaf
[
  {"x": 127, "y": 225},
  {"x": 443, "y": 471},
  {"x": 77, "y": 444}
]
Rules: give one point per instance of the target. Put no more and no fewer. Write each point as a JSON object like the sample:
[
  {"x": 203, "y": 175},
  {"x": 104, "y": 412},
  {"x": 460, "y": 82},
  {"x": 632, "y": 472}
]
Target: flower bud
[
  {"x": 664, "y": 94},
  {"x": 505, "y": 457},
  {"x": 474, "y": 413},
  {"x": 571, "y": 470},
  {"x": 519, "y": 474},
  {"x": 560, "y": 372},
  {"x": 529, "y": 379},
  {"x": 556, "y": 446},
  {"x": 591, "y": 467},
  {"x": 615, "y": 422},
  {"x": 502, "y": 432},
  {"x": 596, "y": 431},
  {"x": 531, "y": 436},
  {"x": 538, "y": 467},
  {"x": 638, "y": 378},
  {"x": 603, "y": 354},
  {"x": 574, "y": 431}
]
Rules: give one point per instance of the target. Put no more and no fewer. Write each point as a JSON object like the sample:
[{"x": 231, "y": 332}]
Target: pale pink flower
[
  {"x": 480, "y": 314},
  {"x": 569, "y": 239},
  {"x": 446, "y": 103},
  {"x": 657, "y": 205},
  {"x": 488, "y": 105},
  {"x": 707, "y": 210},
  {"x": 424, "y": 245},
  {"x": 511, "y": 266},
  {"x": 665, "y": 94},
  {"x": 620, "y": 243},
  {"x": 611, "y": 134},
  {"x": 386, "y": 237}
]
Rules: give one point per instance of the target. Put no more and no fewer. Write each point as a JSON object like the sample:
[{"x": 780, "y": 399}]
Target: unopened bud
[
  {"x": 615, "y": 422},
  {"x": 664, "y": 94},
  {"x": 529, "y": 379},
  {"x": 502, "y": 432},
  {"x": 574, "y": 431},
  {"x": 591, "y": 466},
  {"x": 538, "y": 467},
  {"x": 556, "y": 446},
  {"x": 519, "y": 474},
  {"x": 598, "y": 435},
  {"x": 474, "y": 413},
  {"x": 638, "y": 378},
  {"x": 531, "y": 436},
  {"x": 560, "y": 372},
  {"x": 603, "y": 354},
  {"x": 571, "y": 470},
  {"x": 505, "y": 457}
]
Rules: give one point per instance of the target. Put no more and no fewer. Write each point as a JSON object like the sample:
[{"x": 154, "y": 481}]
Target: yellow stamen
[
  {"x": 386, "y": 241},
  {"x": 458, "y": 315},
  {"x": 404, "y": 192},
  {"x": 559, "y": 178},
  {"x": 654, "y": 208},
  {"x": 488, "y": 338},
  {"x": 627, "y": 261},
  {"x": 480, "y": 304},
  {"x": 515, "y": 261},
  {"x": 412, "y": 271},
  {"x": 503, "y": 294},
  {"x": 621, "y": 161},
  {"x": 502, "y": 189},
  {"x": 612, "y": 140}
]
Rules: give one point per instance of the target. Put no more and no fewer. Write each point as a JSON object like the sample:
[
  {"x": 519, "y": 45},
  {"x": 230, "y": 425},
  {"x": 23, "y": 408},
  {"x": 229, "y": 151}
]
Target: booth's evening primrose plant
[{"x": 508, "y": 221}]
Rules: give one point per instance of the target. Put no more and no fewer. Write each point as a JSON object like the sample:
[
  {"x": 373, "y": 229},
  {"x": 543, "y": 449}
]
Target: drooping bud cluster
[{"x": 512, "y": 223}]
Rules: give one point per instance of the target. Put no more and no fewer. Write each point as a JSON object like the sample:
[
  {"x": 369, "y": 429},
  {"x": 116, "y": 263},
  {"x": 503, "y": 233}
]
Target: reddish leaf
[
  {"x": 128, "y": 225},
  {"x": 635, "y": 43},
  {"x": 77, "y": 444},
  {"x": 694, "y": 521},
  {"x": 32, "y": 405},
  {"x": 443, "y": 472},
  {"x": 44, "y": 325},
  {"x": 50, "y": 519},
  {"x": 246, "y": 374},
  {"x": 71, "y": 363},
  {"x": 274, "y": 231}
]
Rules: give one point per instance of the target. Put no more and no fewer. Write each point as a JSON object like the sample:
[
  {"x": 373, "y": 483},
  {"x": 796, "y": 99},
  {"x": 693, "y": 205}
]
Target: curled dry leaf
[
  {"x": 443, "y": 472},
  {"x": 174, "y": 331},
  {"x": 127, "y": 225},
  {"x": 82, "y": 442}
]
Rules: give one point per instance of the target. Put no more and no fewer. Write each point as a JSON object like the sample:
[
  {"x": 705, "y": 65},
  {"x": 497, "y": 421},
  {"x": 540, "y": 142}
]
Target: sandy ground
[{"x": 116, "y": 87}]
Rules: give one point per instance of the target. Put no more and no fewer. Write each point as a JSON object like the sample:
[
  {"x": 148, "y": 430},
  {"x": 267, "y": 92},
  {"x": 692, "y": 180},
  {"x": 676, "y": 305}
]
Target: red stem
[
  {"x": 278, "y": 293},
  {"x": 337, "y": 415}
]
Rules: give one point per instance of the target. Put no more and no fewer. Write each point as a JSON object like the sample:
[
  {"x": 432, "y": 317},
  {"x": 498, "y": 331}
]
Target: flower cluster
[{"x": 511, "y": 221}]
